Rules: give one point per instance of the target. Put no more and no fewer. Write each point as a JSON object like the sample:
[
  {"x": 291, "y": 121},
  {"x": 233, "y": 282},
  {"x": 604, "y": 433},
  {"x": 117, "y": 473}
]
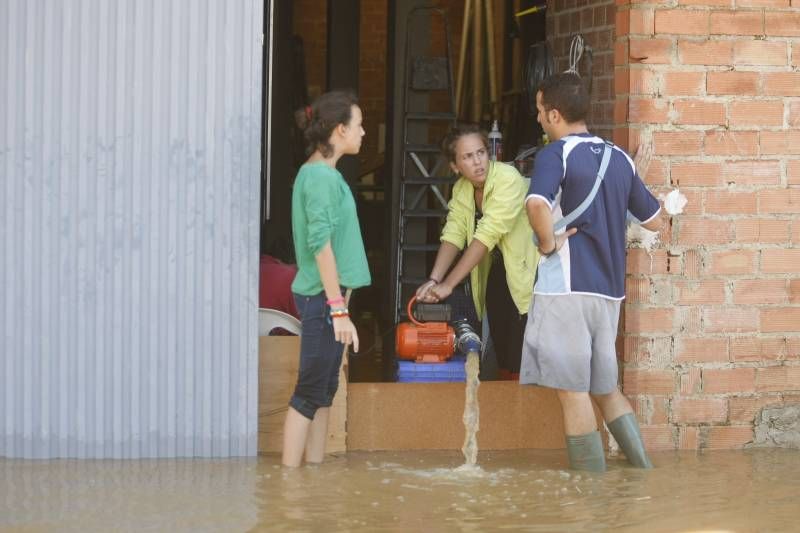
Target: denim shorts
[{"x": 320, "y": 357}]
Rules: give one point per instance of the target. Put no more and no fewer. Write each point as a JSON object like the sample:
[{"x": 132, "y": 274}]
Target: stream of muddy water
[{"x": 471, "y": 410}]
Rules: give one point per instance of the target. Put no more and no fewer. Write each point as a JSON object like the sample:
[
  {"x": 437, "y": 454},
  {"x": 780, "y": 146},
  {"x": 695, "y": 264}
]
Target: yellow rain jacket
[{"x": 504, "y": 224}]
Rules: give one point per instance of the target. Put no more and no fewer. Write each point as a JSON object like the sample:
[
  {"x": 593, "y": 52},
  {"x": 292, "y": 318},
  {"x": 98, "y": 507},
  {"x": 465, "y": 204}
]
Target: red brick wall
[
  {"x": 372, "y": 77},
  {"x": 712, "y": 329},
  {"x": 311, "y": 23},
  {"x": 594, "y": 20}
]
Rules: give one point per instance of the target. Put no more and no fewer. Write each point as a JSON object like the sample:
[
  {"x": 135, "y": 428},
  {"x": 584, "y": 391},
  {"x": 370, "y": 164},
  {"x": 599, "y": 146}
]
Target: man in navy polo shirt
[{"x": 572, "y": 322}]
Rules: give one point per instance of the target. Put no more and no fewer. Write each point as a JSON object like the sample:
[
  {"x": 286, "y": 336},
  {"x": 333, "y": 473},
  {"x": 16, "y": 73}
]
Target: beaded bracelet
[{"x": 339, "y": 312}]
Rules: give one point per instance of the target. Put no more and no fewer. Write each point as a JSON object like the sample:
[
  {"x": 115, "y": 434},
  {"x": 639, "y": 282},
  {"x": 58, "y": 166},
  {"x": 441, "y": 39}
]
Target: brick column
[{"x": 712, "y": 329}]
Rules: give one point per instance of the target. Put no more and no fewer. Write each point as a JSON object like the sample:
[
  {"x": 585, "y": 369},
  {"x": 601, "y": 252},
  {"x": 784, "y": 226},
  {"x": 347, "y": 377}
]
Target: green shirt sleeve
[
  {"x": 502, "y": 208},
  {"x": 321, "y": 198}
]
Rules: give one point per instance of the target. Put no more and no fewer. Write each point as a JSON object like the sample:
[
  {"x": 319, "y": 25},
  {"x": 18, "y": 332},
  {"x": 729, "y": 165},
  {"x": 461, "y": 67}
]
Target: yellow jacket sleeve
[{"x": 459, "y": 215}]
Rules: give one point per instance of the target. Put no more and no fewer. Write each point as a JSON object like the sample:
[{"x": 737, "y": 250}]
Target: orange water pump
[{"x": 426, "y": 342}]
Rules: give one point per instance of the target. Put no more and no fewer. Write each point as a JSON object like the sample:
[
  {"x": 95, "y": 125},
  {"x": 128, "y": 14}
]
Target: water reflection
[
  {"x": 753, "y": 490},
  {"x": 113, "y": 495}
]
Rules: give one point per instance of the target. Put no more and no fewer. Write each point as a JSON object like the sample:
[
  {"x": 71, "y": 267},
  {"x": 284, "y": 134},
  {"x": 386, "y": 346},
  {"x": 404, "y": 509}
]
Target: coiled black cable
[{"x": 540, "y": 65}]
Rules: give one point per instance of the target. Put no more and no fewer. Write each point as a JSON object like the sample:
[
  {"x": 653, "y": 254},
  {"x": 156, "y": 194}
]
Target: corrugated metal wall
[{"x": 129, "y": 219}]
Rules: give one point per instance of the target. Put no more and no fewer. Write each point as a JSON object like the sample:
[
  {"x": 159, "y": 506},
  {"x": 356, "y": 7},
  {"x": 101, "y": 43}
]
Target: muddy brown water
[
  {"x": 523, "y": 490},
  {"x": 471, "y": 410}
]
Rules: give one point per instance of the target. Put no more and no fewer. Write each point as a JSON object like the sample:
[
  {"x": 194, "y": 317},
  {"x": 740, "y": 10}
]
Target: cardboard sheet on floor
[
  {"x": 407, "y": 416},
  {"x": 428, "y": 416}
]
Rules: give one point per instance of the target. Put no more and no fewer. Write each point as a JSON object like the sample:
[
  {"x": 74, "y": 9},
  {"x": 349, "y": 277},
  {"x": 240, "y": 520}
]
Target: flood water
[{"x": 528, "y": 490}]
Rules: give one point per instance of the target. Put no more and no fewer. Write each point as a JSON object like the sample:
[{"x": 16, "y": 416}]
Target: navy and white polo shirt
[{"x": 593, "y": 260}]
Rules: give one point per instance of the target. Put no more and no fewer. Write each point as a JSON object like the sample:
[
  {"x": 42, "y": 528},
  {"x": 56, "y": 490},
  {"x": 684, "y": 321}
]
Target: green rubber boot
[
  {"x": 626, "y": 432},
  {"x": 586, "y": 452}
]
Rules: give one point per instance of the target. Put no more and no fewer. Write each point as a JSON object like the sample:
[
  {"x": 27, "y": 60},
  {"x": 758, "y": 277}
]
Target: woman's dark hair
[
  {"x": 327, "y": 112},
  {"x": 565, "y": 93},
  {"x": 458, "y": 131}
]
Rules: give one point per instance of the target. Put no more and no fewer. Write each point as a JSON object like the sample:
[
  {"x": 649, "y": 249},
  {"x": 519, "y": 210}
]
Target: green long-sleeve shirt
[{"x": 323, "y": 209}]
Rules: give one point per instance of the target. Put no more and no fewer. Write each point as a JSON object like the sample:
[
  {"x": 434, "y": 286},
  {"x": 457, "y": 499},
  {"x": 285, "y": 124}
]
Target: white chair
[{"x": 269, "y": 319}]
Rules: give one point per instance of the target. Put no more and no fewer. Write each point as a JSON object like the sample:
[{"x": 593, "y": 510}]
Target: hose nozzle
[{"x": 466, "y": 339}]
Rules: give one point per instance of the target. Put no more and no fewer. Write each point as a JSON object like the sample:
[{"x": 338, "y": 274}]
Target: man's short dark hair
[{"x": 566, "y": 93}]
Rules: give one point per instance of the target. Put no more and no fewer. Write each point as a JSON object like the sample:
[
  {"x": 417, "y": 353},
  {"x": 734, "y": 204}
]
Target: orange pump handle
[{"x": 410, "y": 314}]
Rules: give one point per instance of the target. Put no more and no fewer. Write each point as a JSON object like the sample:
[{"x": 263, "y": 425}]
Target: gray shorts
[{"x": 570, "y": 343}]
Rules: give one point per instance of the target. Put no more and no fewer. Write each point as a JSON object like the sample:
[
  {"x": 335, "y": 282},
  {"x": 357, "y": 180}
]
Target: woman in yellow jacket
[{"x": 486, "y": 220}]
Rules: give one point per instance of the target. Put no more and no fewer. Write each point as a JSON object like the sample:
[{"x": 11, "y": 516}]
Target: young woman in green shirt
[{"x": 330, "y": 258}]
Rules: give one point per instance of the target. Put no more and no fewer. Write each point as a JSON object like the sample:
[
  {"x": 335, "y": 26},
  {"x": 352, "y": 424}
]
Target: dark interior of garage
[{"x": 404, "y": 57}]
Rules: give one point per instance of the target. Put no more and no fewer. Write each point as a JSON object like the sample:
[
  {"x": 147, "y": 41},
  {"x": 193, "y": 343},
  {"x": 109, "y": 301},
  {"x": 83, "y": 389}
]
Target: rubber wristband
[
  {"x": 555, "y": 247},
  {"x": 335, "y": 300},
  {"x": 551, "y": 252},
  {"x": 436, "y": 281}
]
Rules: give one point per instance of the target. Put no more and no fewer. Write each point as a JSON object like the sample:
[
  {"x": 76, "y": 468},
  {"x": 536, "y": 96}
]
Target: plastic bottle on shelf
[{"x": 495, "y": 143}]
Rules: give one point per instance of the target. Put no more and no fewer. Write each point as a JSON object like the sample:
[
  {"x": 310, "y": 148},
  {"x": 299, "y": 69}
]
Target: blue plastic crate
[{"x": 448, "y": 371}]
